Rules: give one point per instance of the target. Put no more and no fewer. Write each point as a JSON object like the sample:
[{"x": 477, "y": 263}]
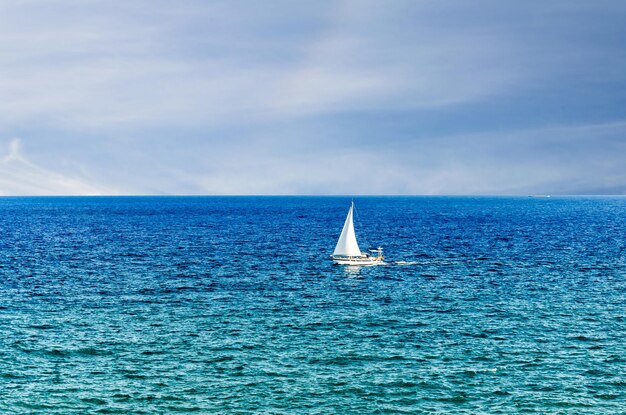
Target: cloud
[
  {"x": 109, "y": 64},
  {"x": 582, "y": 159},
  {"x": 153, "y": 97},
  {"x": 553, "y": 160},
  {"x": 18, "y": 176}
]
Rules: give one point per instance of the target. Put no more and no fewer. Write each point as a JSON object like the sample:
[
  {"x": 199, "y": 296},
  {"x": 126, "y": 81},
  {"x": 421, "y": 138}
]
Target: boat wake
[{"x": 405, "y": 263}]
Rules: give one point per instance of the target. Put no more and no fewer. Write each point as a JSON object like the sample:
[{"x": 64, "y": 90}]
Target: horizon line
[{"x": 535, "y": 195}]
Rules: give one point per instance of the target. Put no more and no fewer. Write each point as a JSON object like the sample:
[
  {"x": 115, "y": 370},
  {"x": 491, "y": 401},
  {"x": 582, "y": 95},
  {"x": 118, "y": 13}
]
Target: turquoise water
[{"x": 231, "y": 305}]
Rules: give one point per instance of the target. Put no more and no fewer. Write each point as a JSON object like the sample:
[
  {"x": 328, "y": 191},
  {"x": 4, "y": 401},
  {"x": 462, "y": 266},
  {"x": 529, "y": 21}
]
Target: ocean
[{"x": 158, "y": 305}]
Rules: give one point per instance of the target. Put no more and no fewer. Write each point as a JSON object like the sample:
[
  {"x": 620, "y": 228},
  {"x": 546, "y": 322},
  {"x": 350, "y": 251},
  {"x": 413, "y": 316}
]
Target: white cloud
[
  {"x": 107, "y": 65},
  {"x": 157, "y": 97},
  {"x": 19, "y": 176},
  {"x": 558, "y": 159}
]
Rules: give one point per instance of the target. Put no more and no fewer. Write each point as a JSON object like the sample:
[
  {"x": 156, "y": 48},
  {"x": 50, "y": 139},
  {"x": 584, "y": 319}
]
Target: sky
[{"x": 395, "y": 97}]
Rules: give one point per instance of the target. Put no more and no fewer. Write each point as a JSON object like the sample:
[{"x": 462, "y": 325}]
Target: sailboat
[{"x": 347, "y": 251}]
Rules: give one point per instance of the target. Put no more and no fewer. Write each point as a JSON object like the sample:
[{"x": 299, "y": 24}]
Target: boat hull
[{"x": 366, "y": 261}]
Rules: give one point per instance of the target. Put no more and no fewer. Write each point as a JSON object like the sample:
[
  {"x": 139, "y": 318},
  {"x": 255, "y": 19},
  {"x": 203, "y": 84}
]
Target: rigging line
[{"x": 361, "y": 228}]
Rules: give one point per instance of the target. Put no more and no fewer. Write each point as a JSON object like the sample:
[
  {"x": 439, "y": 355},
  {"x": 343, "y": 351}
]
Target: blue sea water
[{"x": 148, "y": 305}]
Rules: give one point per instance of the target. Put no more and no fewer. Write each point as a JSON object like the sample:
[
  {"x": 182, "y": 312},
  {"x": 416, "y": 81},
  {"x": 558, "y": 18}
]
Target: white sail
[{"x": 347, "y": 244}]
